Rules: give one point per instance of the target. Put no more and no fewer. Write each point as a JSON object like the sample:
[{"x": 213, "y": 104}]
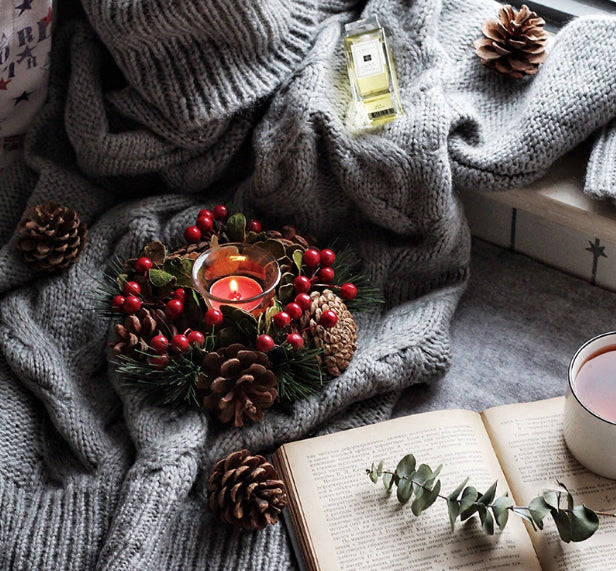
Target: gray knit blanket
[{"x": 159, "y": 109}]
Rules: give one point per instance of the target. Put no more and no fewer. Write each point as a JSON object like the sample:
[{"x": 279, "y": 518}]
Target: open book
[{"x": 344, "y": 521}]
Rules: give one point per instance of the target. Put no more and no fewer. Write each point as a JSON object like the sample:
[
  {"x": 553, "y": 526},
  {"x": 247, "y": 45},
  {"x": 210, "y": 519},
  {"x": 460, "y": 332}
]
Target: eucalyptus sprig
[{"x": 574, "y": 523}]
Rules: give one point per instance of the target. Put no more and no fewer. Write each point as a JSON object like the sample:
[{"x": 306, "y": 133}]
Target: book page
[
  {"x": 529, "y": 442},
  {"x": 344, "y": 521}
]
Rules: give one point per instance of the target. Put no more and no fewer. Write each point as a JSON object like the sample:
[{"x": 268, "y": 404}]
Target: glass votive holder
[
  {"x": 589, "y": 425},
  {"x": 236, "y": 274}
]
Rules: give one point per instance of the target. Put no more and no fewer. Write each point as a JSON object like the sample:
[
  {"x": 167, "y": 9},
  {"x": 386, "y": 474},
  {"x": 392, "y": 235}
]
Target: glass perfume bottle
[{"x": 371, "y": 71}]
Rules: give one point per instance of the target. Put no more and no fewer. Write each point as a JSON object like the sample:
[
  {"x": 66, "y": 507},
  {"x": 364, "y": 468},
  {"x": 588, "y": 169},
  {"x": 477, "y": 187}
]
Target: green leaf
[
  {"x": 388, "y": 481},
  {"x": 453, "y": 507},
  {"x": 454, "y": 495},
  {"x": 486, "y": 519},
  {"x": 487, "y": 497},
  {"x": 467, "y": 502},
  {"x": 156, "y": 251},
  {"x": 285, "y": 293},
  {"x": 563, "y": 524},
  {"x": 538, "y": 509},
  {"x": 522, "y": 512},
  {"x": 405, "y": 489},
  {"x": 181, "y": 268},
  {"x": 500, "y": 508},
  {"x": 373, "y": 474},
  {"x": 235, "y": 227},
  {"x": 406, "y": 466},
  {"x": 551, "y": 498},
  {"x": 379, "y": 469},
  {"x": 584, "y": 522},
  {"x": 160, "y": 278},
  {"x": 297, "y": 259},
  {"x": 425, "y": 498}
]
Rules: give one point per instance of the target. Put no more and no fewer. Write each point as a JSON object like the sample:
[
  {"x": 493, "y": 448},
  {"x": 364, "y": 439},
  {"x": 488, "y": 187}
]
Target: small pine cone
[
  {"x": 289, "y": 234},
  {"x": 246, "y": 491},
  {"x": 193, "y": 250},
  {"x": 513, "y": 45},
  {"x": 51, "y": 236},
  {"x": 338, "y": 342},
  {"x": 134, "y": 335},
  {"x": 242, "y": 383}
]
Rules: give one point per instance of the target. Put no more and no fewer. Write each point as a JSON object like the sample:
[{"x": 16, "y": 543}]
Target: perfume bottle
[{"x": 371, "y": 71}]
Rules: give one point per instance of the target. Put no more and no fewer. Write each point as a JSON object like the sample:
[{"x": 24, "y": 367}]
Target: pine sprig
[
  {"x": 297, "y": 371},
  {"x": 346, "y": 269},
  {"x": 106, "y": 289},
  {"x": 574, "y": 523}
]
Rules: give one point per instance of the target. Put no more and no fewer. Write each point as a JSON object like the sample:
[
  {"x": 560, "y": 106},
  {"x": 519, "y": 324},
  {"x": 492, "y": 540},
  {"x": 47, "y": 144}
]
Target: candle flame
[{"x": 233, "y": 290}]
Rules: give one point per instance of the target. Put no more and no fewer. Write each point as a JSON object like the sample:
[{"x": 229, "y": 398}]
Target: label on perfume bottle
[{"x": 368, "y": 58}]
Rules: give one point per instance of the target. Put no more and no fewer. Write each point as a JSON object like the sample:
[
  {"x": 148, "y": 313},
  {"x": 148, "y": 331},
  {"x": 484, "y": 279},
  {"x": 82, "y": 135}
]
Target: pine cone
[
  {"x": 191, "y": 250},
  {"x": 289, "y": 234},
  {"x": 134, "y": 335},
  {"x": 338, "y": 342},
  {"x": 51, "y": 236},
  {"x": 514, "y": 45},
  {"x": 241, "y": 383},
  {"x": 245, "y": 491}
]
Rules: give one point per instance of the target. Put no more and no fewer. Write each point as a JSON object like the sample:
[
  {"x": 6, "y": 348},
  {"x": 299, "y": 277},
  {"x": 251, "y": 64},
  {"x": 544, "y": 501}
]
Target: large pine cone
[
  {"x": 134, "y": 335},
  {"x": 245, "y": 491},
  {"x": 51, "y": 236},
  {"x": 514, "y": 45},
  {"x": 240, "y": 383},
  {"x": 338, "y": 342}
]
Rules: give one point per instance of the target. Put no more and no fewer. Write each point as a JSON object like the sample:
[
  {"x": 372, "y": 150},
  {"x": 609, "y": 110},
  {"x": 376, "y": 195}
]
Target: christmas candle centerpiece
[{"x": 236, "y": 274}]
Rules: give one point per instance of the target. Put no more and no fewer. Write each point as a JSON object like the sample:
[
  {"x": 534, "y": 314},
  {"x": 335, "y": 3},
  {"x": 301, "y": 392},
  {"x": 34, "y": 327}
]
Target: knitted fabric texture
[{"x": 158, "y": 109}]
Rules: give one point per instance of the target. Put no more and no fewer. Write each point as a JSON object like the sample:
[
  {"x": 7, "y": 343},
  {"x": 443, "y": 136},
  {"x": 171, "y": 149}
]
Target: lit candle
[{"x": 236, "y": 289}]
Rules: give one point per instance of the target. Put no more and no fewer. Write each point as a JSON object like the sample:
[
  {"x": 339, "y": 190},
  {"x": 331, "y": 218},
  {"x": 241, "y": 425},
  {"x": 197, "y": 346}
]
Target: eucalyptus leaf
[
  {"x": 454, "y": 495},
  {"x": 551, "y": 498},
  {"x": 538, "y": 509},
  {"x": 405, "y": 489},
  {"x": 425, "y": 499},
  {"x": 373, "y": 474},
  {"x": 523, "y": 513},
  {"x": 160, "y": 278},
  {"x": 487, "y": 521},
  {"x": 500, "y": 508},
  {"x": 467, "y": 507},
  {"x": 487, "y": 497},
  {"x": 379, "y": 469},
  {"x": 388, "y": 481},
  {"x": 584, "y": 522},
  {"x": 406, "y": 466},
  {"x": 453, "y": 508},
  {"x": 235, "y": 227},
  {"x": 563, "y": 524}
]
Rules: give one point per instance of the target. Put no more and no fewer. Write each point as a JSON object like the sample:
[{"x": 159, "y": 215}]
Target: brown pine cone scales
[
  {"x": 134, "y": 335},
  {"x": 339, "y": 342},
  {"x": 245, "y": 491},
  {"x": 51, "y": 236},
  {"x": 514, "y": 45},
  {"x": 239, "y": 384}
]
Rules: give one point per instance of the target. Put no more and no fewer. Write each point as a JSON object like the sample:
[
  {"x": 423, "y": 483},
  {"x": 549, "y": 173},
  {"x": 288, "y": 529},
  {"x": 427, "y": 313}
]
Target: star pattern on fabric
[
  {"x": 3, "y": 83},
  {"x": 27, "y": 53},
  {"x": 25, "y": 5},
  {"x": 25, "y": 96},
  {"x": 47, "y": 19}
]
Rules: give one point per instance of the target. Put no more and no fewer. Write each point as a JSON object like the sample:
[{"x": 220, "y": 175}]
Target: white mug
[{"x": 590, "y": 437}]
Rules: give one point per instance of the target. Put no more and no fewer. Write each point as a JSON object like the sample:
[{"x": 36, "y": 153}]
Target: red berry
[
  {"x": 159, "y": 361},
  {"x": 220, "y": 212},
  {"x": 213, "y": 317},
  {"x": 132, "y": 288},
  {"x": 328, "y": 319},
  {"x": 131, "y": 304},
  {"x": 265, "y": 343},
  {"x": 295, "y": 340},
  {"x": 326, "y": 275},
  {"x": 302, "y": 284},
  {"x": 327, "y": 257},
  {"x": 174, "y": 308},
  {"x": 281, "y": 319},
  {"x": 142, "y": 265},
  {"x": 117, "y": 302},
  {"x": 303, "y": 300},
  {"x": 159, "y": 343},
  {"x": 192, "y": 234},
  {"x": 311, "y": 257},
  {"x": 179, "y": 294},
  {"x": 348, "y": 291},
  {"x": 179, "y": 343},
  {"x": 205, "y": 213},
  {"x": 294, "y": 310},
  {"x": 254, "y": 226},
  {"x": 196, "y": 338},
  {"x": 205, "y": 224}
]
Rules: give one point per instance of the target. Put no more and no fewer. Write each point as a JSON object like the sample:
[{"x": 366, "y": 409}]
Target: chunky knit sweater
[{"x": 158, "y": 109}]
